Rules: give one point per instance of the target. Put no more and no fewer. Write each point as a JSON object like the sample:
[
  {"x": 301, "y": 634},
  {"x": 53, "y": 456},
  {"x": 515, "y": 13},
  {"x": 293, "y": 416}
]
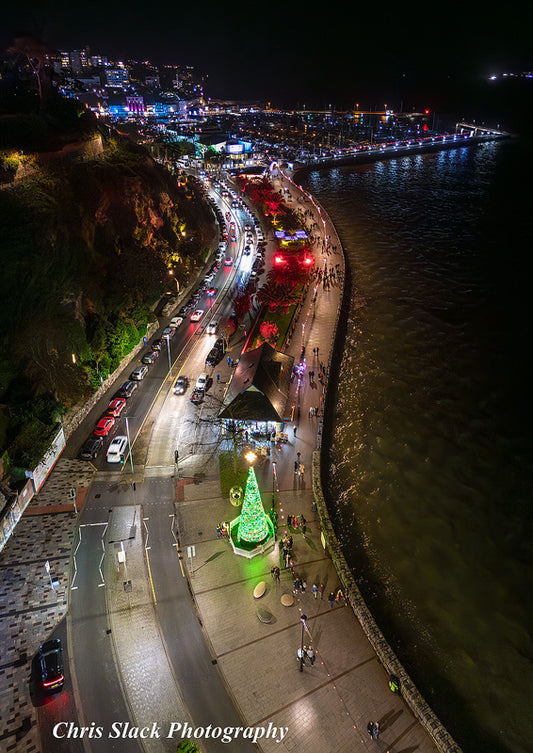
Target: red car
[
  {"x": 116, "y": 406},
  {"x": 211, "y": 291},
  {"x": 228, "y": 261},
  {"x": 104, "y": 426}
]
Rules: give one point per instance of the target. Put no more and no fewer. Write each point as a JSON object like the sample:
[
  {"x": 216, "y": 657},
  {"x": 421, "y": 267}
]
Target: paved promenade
[{"x": 326, "y": 706}]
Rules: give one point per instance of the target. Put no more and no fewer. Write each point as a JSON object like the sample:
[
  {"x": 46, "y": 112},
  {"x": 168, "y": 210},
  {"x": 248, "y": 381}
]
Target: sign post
[
  {"x": 73, "y": 498},
  {"x": 191, "y": 552},
  {"x": 47, "y": 568}
]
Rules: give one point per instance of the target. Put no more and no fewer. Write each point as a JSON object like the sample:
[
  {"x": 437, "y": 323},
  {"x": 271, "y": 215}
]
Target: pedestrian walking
[
  {"x": 310, "y": 654},
  {"x": 294, "y": 432},
  {"x": 298, "y": 455},
  {"x": 375, "y": 730},
  {"x": 218, "y": 378},
  {"x": 370, "y": 728},
  {"x": 331, "y": 599},
  {"x": 314, "y": 589},
  {"x": 296, "y": 464},
  {"x": 321, "y": 590}
]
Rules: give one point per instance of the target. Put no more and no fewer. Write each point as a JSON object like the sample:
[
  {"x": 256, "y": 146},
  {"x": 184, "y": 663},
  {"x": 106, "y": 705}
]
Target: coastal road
[
  {"x": 199, "y": 681},
  {"x": 100, "y": 698}
]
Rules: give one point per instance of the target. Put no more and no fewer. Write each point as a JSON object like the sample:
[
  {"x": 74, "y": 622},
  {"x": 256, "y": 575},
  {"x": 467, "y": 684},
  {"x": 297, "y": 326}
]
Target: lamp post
[
  {"x": 167, "y": 338},
  {"x": 303, "y": 618},
  {"x": 171, "y": 273}
]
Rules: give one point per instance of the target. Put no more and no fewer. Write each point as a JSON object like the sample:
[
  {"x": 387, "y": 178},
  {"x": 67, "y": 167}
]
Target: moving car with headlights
[
  {"x": 181, "y": 386},
  {"x": 211, "y": 328},
  {"x": 116, "y": 452},
  {"x": 197, "y": 315},
  {"x": 228, "y": 261},
  {"x": 51, "y": 665}
]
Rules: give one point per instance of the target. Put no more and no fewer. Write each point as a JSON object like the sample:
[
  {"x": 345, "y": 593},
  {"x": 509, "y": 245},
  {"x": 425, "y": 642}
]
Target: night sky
[{"x": 298, "y": 53}]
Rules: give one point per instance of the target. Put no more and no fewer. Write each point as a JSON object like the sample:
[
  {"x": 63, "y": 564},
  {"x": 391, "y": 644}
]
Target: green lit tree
[{"x": 253, "y": 526}]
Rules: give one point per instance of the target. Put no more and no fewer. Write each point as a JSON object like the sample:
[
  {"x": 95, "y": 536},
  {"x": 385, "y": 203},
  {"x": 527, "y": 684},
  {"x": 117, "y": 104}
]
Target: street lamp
[
  {"x": 171, "y": 273},
  {"x": 167, "y": 338},
  {"x": 303, "y": 618}
]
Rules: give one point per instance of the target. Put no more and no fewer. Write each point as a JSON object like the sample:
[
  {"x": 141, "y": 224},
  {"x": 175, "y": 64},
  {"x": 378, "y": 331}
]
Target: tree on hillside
[{"x": 35, "y": 54}]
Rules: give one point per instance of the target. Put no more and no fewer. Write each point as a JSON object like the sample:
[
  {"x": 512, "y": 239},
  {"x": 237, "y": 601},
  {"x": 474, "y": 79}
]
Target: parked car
[
  {"x": 127, "y": 389},
  {"x": 116, "y": 452},
  {"x": 213, "y": 357},
  {"x": 169, "y": 332},
  {"x": 139, "y": 373},
  {"x": 176, "y": 321},
  {"x": 150, "y": 357},
  {"x": 220, "y": 344},
  {"x": 197, "y": 315},
  {"x": 91, "y": 448},
  {"x": 201, "y": 382},
  {"x": 181, "y": 386},
  {"x": 104, "y": 426},
  {"x": 116, "y": 406},
  {"x": 197, "y": 396},
  {"x": 51, "y": 665},
  {"x": 156, "y": 345}
]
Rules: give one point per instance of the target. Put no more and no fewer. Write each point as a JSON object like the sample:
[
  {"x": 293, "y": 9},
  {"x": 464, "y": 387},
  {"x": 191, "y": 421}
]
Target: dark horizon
[{"x": 294, "y": 58}]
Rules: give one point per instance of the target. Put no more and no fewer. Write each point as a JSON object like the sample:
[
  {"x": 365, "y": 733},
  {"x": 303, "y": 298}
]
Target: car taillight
[{"x": 53, "y": 682}]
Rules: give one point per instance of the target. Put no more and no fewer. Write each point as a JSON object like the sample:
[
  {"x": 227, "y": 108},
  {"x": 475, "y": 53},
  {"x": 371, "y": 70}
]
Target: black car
[
  {"x": 220, "y": 344},
  {"x": 127, "y": 389},
  {"x": 91, "y": 448},
  {"x": 213, "y": 357},
  {"x": 182, "y": 383},
  {"x": 51, "y": 664},
  {"x": 156, "y": 345}
]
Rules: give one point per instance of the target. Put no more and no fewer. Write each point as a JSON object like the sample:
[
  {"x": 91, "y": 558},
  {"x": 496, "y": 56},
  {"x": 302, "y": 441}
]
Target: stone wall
[{"x": 75, "y": 416}]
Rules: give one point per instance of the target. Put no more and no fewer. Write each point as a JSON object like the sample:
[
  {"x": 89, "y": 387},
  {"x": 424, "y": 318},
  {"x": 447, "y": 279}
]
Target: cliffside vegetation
[{"x": 86, "y": 248}]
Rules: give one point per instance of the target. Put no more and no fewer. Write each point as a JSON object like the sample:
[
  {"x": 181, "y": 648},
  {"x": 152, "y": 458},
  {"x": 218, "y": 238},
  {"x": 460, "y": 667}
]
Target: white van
[{"x": 116, "y": 451}]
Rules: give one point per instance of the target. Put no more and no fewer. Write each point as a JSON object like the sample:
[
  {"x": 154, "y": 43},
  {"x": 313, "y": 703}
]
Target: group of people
[
  {"x": 307, "y": 652},
  {"x": 296, "y": 521},
  {"x": 222, "y": 530},
  {"x": 285, "y": 548},
  {"x": 373, "y": 730}
]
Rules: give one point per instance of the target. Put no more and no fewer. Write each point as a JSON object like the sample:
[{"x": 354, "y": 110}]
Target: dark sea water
[{"x": 431, "y": 458}]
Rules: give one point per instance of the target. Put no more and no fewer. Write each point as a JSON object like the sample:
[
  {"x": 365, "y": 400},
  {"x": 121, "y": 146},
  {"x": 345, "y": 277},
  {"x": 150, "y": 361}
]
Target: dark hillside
[{"x": 85, "y": 252}]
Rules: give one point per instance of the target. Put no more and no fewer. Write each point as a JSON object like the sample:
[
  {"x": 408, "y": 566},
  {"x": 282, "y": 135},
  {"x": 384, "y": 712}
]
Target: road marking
[{"x": 148, "y": 564}]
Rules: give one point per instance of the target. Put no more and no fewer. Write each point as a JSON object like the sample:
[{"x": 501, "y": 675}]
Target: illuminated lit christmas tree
[{"x": 253, "y": 526}]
